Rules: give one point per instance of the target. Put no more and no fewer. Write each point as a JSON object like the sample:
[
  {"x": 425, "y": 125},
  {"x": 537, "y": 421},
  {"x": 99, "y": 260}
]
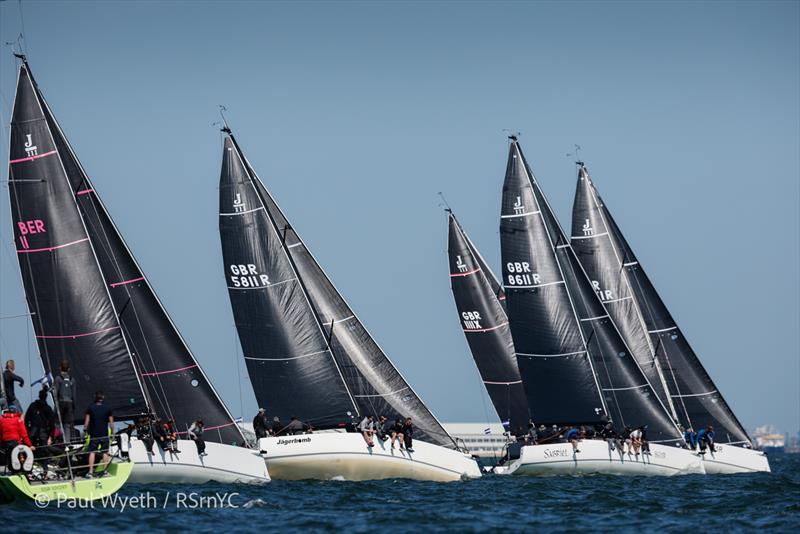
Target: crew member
[
  {"x": 296, "y": 426},
  {"x": 572, "y": 435},
  {"x": 636, "y": 441},
  {"x": 609, "y": 434},
  {"x": 64, "y": 387},
  {"x": 408, "y": 431},
  {"x": 40, "y": 420},
  {"x": 196, "y": 435},
  {"x": 9, "y": 378},
  {"x": 705, "y": 439},
  {"x": 690, "y": 439},
  {"x": 98, "y": 423},
  {"x": 260, "y": 424},
  {"x": 144, "y": 431},
  {"x": 367, "y": 429},
  {"x": 12, "y": 433}
]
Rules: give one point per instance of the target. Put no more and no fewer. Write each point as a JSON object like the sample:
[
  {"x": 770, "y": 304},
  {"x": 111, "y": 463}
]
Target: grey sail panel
[
  {"x": 595, "y": 248},
  {"x": 695, "y": 397},
  {"x": 628, "y": 397},
  {"x": 288, "y": 357},
  {"x": 175, "y": 384},
  {"x": 553, "y": 361},
  {"x": 376, "y": 385},
  {"x": 483, "y": 319},
  {"x": 73, "y": 315}
]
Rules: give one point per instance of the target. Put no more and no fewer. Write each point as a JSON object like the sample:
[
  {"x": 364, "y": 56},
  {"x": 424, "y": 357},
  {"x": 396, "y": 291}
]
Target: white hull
[
  {"x": 731, "y": 459},
  {"x": 223, "y": 463},
  {"x": 596, "y": 457},
  {"x": 345, "y": 456}
]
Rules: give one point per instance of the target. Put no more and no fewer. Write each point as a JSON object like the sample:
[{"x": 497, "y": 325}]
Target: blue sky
[{"x": 357, "y": 114}]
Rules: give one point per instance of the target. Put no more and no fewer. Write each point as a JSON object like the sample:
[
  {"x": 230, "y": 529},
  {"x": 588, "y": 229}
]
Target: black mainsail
[
  {"x": 573, "y": 361},
  {"x": 644, "y": 320},
  {"x": 307, "y": 353},
  {"x": 483, "y": 319},
  {"x": 150, "y": 368}
]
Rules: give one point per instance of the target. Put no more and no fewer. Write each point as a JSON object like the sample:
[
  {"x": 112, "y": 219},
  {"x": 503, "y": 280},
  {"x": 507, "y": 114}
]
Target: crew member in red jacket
[
  {"x": 12, "y": 429},
  {"x": 12, "y": 433}
]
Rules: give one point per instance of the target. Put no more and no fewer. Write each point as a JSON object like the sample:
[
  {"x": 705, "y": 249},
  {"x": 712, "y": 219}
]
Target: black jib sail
[
  {"x": 575, "y": 365},
  {"x": 660, "y": 347},
  {"x": 483, "y": 319},
  {"x": 307, "y": 353},
  {"x": 173, "y": 384}
]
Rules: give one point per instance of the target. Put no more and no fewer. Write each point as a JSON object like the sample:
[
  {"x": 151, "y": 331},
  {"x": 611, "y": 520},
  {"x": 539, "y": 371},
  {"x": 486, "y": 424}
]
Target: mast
[
  {"x": 485, "y": 324},
  {"x": 371, "y": 380},
  {"x": 693, "y": 394},
  {"x": 552, "y": 302},
  {"x": 73, "y": 315}
]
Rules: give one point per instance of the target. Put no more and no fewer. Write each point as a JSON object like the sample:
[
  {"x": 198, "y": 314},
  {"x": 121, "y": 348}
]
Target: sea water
[{"x": 719, "y": 503}]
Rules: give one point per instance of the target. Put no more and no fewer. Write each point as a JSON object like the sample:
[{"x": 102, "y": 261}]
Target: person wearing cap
[{"x": 260, "y": 424}]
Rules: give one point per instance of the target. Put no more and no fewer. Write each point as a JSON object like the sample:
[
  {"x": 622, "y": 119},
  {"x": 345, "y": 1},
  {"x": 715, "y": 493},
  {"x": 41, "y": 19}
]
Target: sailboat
[
  {"x": 309, "y": 356},
  {"x": 480, "y": 303},
  {"x": 91, "y": 305},
  {"x": 659, "y": 346},
  {"x": 576, "y": 367}
]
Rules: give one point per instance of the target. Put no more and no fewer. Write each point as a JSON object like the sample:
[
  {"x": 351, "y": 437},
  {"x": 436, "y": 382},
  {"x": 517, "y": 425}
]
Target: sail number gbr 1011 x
[
  {"x": 520, "y": 274},
  {"x": 247, "y": 276}
]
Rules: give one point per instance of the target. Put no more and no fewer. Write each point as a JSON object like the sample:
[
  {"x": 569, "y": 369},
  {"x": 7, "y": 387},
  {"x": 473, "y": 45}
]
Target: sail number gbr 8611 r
[
  {"x": 247, "y": 276},
  {"x": 520, "y": 274}
]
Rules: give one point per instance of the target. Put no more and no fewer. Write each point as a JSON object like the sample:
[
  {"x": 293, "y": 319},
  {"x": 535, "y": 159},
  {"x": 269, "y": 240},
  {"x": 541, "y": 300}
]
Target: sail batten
[{"x": 644, "y": 320}]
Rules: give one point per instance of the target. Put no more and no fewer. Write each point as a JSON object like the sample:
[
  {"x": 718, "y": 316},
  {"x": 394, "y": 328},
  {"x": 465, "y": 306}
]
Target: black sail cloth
[
  {"x": 642, "y": 317},
  {"x": 72, "y": 312},
  {"x": 575, "y": 365},
  {"x": 170, "y": 380},
  {"x": 483, "y": 319},
  {"x": 307, "y": 353}
]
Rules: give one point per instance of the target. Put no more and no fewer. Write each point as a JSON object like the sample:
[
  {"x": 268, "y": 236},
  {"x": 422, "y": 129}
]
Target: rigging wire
[
  {"x": 24, "y": 45},
  {"x": 238, "y": 371}
]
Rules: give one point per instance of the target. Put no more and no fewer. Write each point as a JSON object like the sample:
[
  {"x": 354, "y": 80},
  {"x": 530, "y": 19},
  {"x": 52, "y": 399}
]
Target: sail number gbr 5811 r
[{"x": 246, "y": 276}]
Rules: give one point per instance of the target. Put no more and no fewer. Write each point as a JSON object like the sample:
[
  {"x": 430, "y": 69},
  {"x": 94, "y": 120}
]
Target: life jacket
[{"x": 12, "y": 428}]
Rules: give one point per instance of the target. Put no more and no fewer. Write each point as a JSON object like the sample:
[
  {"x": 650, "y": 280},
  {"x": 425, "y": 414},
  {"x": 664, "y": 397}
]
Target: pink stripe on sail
[
  {"x": 466, "y": 274},
  {"x": 27, "y": 250},
  {"x": 168, "y": 372},
  {"x": 84, "y": 192},
  {"x": 486, "y": 329},
  {"x": 73, "y": 336},
  {"x": 132, "y": 280},
  {"x": 31, "y": 158}
]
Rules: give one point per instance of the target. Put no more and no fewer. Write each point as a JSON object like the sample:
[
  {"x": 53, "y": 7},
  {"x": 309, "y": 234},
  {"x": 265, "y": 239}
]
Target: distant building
[
  {"x": 769, "y": 440},
  {"x": 485, "y": 440}
]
